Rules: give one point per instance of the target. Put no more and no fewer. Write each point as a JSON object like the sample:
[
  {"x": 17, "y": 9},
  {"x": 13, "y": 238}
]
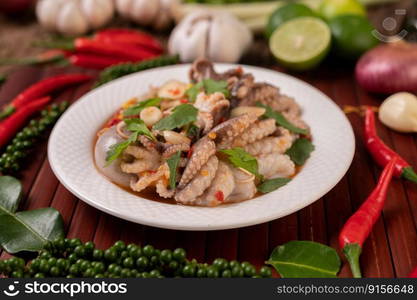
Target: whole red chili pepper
[
  {"x": 41, "y": 89},
  {"x": 381, "y": 153},
  {"x": 130, "y": 53},
  {"x": 413, "y": 274},
  {"x": 360, "y": 224},
  {"x": 11, "y": 125},
  {"x": 91, "y": 61},
  {"x": 129, "y": 36}
]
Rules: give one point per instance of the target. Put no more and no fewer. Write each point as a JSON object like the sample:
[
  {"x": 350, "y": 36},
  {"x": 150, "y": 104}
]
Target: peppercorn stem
[
  {"x": 409, "y": 174},
  {"x": 352, "y": 253}
]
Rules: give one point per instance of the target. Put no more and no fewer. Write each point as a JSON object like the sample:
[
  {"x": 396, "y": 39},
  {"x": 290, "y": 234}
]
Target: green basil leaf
[
  {"x": 281, "y": 120},
  {"x": 242, "y": 159},
  {"x": 117, "y": 149},
  {"x": 193, "y": 91},
  {"x": 305, "y": 259},
  {"x": 182, "y": 115},
  {"x": 209, "y": 86},
  {"x": 173, "y": 163},
  {"x": 272, "y": 184},
  {"x": 10, "y": 194},
  {"x": 136, "y": 109},
  {"x": 30, "y": 230},
  {"x": 139, "y": 127},
  {"x": 213, "y": 86},
  {"x": 300, "y": 151}
]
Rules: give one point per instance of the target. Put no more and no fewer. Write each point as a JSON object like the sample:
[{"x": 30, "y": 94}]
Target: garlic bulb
[
  {"x": 399, "y": 112},
  {"x": 154, "y": 13},
  {"x": 71, "y": 17},
  {"x": 215, "y": 35}
]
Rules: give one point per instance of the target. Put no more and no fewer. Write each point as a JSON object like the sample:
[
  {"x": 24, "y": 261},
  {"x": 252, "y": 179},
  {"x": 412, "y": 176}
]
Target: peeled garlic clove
[
  {"x": 150, "y": 115},
  {"x": 173, "y": 89},
  {"x": 241, "y": 110},
  {"x": 399, "y": 112},
  {"x": 172, "y": 137}
]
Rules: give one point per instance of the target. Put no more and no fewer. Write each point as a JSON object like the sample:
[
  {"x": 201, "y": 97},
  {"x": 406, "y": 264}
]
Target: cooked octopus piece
[
  {"x": 199, "y": 183},
  {"x": 279, "y": 144},
  {"x": 215, "y": 104},
  {"x": 245, "y": 187},
  {"x": 147, "y": 179},
  {"x": 201, "y": 152},
  {"x": 143, "y": 160},
  {"x": 273, "y": 165},
  {"x": 224, "y": 133},
  {"x": 205, "y": 121},
  {"x": 255, "y": 132},
  {"x": 221, "y": 187},
  {"x": 163, "y": 190},
  {"x": 271, "y": 96}
]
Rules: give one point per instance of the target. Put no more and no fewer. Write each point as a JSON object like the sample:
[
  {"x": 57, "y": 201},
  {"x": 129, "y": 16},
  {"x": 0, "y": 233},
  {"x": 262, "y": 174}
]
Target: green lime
[
  {"x": 286, "y": 13},
  {"x": 352, "y": 36},
  {"x": 301, "y": 43},
  {"x": 331, "y": 8}
]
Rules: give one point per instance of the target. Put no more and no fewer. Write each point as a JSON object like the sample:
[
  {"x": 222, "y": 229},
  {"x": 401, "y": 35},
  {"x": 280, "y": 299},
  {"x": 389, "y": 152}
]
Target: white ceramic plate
[{"x": 70, "y": 152}]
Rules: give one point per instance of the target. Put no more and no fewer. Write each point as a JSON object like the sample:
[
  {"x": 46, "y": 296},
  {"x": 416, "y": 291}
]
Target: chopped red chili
[{"x": 219, "y": 196}]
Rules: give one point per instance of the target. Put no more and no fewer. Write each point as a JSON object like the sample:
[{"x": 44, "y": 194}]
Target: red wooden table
[{"x": 391, "y": 250}]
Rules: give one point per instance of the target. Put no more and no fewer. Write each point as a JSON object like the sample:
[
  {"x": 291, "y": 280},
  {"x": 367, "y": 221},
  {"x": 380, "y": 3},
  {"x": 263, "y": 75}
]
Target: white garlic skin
[
  {"x": 399, "y": 112},
  {"x": 215, "y": 35},
  {"x": 74, "y": 18}
]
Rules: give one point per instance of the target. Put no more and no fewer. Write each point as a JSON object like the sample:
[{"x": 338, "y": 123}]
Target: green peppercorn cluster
[
  {"x": 20, "y": 146},
  {"x": 71, "y": 258}
]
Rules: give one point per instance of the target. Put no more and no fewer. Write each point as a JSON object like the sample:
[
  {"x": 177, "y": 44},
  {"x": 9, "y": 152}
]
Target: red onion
[{"x": 389, "y": 68}]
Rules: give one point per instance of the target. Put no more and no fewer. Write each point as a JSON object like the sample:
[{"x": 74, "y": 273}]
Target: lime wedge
[{"x": 301, "y": 43}]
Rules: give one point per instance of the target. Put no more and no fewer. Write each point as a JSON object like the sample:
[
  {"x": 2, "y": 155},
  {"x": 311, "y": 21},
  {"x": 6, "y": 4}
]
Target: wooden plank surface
[{"x": 391, "y": 250}]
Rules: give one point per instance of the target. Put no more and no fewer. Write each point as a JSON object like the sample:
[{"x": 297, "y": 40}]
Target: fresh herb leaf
[
  {"x": 273, "y": 184},
  {"x": 139, "y": 127},
  {"x": 300, "y": 151},
  {"x": 136, "y": 109},
  {"x": 305, "y": 259},
  {"x": 193, "y": 132},
  {"x": 281, "y": 120},
  {"x": 209, "y": 86},
  {"x": 182, "y": 115},
  {"x": 213, "y": 86},
  {"x": 193, "y": 91},
  {"x": 242, "y": 159},
  {"x": 117, "y": 149},
  {"x": 173, "y": 163},
  {"x": 10, "y": 194},
  {"x": 27, "y": 230}
]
